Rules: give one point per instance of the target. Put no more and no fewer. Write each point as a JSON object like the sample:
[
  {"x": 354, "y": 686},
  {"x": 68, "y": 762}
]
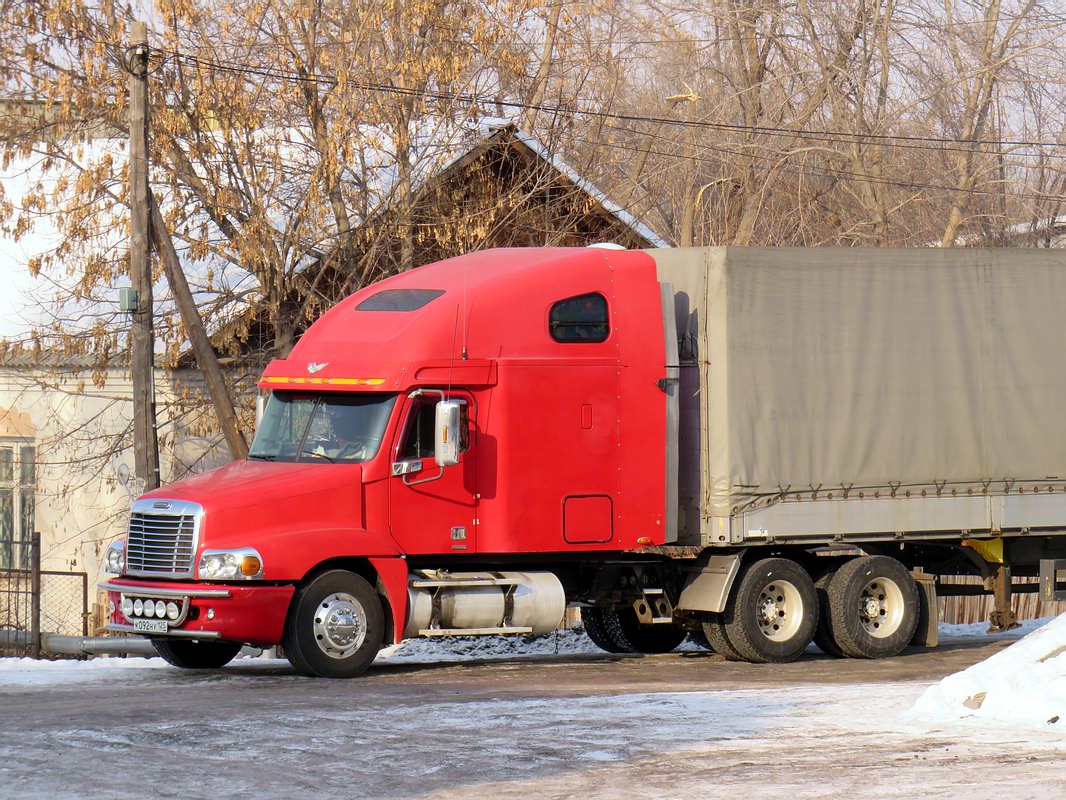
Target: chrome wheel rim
[
  {"x": 779, "y": 610},
  {"x": 339, "y": 625},
  {"x": 881, "y": 607}
]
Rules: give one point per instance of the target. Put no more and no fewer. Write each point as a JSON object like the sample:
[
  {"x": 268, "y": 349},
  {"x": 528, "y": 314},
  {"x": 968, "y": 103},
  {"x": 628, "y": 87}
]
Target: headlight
[
  {"x": 115, "y": 559},
  {"x": 243, "y": 564}
]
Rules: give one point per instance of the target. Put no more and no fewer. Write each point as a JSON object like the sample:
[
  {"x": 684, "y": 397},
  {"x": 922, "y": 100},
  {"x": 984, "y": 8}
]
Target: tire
[
  {"x": 873, "y": 607},
  {"x": 335, "y": 626},
  {"x": 714, "y": 630},
  {"x": 772, "y": 614},
  {"x": 646, "y": 638},
  {"x": 189, "y": 654},
  {"x": 596, "y": 628},
  {"x": 823, "y": 634}
]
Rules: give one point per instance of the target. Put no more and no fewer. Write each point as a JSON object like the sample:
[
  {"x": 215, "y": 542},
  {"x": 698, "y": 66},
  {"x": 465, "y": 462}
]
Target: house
[{"x": 506, "y": 189}]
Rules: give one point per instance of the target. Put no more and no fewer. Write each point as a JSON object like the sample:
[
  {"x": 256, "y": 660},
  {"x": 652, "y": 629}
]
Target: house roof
[
  {"x": 499, "y": 141},
  {"x": 496, "y": 130}
]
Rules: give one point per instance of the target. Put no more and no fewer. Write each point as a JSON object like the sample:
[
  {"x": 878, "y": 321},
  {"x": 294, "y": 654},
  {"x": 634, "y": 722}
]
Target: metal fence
[{"x": 33, "y": 600}]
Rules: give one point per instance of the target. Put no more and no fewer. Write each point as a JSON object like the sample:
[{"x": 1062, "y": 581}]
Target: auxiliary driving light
[
  {"x": 149, "y": 608},
  {"x": 172, "y": 610},
  {"x": 127, "y": 606},
  {"x": 138, "y": 606},
  {"x": 160, "y": 609}
]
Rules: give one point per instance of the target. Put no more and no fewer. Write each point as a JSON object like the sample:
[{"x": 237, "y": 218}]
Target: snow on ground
[
  {"x": 571, "y": 642},
  {"x": 1023, "y": 685},
  {"x": 562, "y": 642},
  {"x": 953, "y": 634},
  {"x": 461, "y": 733}
]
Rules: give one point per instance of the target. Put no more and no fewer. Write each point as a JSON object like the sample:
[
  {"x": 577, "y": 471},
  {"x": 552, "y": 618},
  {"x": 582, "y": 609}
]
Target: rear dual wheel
[
  {"x": 871, "y": 606},
  {"x": 771, "y": 615},
  {"x": 621, "y": 631}
]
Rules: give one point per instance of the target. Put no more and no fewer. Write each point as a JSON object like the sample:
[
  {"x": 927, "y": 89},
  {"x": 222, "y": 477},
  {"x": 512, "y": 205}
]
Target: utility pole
[{"x": 142, "y": 356}]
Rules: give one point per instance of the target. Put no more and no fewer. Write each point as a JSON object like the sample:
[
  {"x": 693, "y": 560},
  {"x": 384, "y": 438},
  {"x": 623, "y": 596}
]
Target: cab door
[{"x": 432, "y": 509}]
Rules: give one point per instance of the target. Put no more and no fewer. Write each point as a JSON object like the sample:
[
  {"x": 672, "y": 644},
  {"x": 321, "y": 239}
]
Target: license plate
[{"x": 150, "y": 625}]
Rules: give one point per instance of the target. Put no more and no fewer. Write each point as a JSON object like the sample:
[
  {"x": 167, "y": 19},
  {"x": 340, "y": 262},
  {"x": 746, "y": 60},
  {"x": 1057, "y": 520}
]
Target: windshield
[{"x": 327, "y": 427}]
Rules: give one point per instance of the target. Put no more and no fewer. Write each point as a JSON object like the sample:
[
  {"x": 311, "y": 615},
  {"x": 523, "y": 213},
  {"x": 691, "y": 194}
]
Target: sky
[{"x": 17, "y": 308}]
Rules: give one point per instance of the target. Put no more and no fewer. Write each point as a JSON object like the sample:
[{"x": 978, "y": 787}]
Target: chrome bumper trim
[
  {"x": 136, "y": 591},
  {"x": 112, "y": 626}
]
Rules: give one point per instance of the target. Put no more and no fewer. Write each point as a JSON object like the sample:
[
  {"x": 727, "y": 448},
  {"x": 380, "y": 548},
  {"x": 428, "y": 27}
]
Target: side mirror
[{"x": 448, "y": 433}]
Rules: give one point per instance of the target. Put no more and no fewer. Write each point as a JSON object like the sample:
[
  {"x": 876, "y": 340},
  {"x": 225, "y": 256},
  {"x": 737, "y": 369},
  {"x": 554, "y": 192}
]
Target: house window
[
  {"x": 580, "y": 319},
  {"x": 18, "y": 482}
]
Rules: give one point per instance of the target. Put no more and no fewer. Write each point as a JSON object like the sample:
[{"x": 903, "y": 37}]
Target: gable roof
[{"x": 569, "y": 209}]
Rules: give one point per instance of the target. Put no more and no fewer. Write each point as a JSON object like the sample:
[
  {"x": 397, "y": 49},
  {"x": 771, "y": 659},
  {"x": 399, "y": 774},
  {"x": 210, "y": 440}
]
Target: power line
[
  {"x": 895, "y": 140},
  {"x": 471, "y": 99},
  {"x": 821, "y": 171}
]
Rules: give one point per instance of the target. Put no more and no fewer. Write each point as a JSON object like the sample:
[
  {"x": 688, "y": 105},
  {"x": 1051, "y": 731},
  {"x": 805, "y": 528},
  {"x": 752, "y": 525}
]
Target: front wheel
[
  {"x": 189, "y": 654},
  {"x": 335, "y": 626}
]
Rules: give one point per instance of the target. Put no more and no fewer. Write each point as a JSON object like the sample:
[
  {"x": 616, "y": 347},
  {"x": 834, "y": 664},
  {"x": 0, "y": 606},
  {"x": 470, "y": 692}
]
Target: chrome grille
[{"x": 162, "y": 544}]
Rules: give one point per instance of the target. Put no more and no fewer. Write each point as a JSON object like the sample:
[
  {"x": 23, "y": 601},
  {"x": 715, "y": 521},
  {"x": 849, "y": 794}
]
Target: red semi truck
[{"x": 755, "y": 447}]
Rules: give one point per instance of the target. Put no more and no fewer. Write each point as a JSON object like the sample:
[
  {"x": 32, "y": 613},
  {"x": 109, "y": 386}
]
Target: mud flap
[
  {"x": 708, "y": 589},
  {"x": 392, "y": 578},
  {"x": 925, "y": 635}
]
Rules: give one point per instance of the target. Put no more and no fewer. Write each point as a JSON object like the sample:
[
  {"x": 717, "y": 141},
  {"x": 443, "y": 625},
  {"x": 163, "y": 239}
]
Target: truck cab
[{"x": 443, "y": 452}]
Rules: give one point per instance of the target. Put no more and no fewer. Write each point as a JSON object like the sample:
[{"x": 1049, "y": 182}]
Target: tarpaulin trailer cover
[{"x": 847, "y": 374}]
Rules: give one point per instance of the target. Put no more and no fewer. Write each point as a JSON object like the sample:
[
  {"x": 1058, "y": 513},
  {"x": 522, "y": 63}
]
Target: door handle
[{"x": 407, "y": 467}]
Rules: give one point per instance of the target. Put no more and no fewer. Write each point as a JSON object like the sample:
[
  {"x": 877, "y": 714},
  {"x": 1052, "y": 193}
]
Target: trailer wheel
[
  {"x": 335, "y": 626},
  {"x": 823, "y": 634},
  {"x": 189, "y": 654},
  {"x": 873, "y": 607},
  {"x": 595, "y": 622},
  {"x": 773, "y": 612},
  {"x": 714, "y": 630}
]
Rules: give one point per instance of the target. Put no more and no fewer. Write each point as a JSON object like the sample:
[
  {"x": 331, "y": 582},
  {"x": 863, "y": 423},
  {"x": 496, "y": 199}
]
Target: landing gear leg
[{"x": 1002, "y": 617}]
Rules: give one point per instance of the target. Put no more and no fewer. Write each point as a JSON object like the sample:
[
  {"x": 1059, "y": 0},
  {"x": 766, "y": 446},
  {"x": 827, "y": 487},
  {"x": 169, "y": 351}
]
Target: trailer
[{"x": 755, "y": 447}]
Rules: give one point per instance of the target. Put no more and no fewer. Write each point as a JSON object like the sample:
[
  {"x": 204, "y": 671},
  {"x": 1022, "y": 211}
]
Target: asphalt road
[{"x": 680, "y": 725}]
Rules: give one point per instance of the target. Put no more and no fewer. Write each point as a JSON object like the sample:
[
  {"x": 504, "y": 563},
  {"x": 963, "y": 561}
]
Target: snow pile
[
  {"x": 27, "y": 671},
  {"x": 1024, "y": 684}
]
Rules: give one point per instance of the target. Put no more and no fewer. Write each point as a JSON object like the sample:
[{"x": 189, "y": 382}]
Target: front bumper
[{"x": 251, "y": 614}]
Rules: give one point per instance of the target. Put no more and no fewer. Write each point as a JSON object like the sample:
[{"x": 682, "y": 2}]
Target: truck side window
[
  {"x": 419, "y": 438},
  {"x": 580, "y": 319}
]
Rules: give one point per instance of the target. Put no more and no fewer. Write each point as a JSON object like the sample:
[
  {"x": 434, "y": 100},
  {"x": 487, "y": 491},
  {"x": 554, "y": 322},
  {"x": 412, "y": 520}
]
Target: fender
[
  {"x": 707, "y": 589},
  {"x": 393, "y": 574}
]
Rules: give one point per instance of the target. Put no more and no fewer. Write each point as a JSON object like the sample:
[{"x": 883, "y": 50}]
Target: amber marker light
[
  {"x": 643, "y": 541},
  {"x": 250, "y": 565}
]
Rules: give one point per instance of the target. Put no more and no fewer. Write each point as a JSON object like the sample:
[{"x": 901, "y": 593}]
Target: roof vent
[{"x": 608, "y": 246}]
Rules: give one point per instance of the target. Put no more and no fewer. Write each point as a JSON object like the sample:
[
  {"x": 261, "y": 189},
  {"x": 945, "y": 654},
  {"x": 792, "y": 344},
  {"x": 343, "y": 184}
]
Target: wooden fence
[{"x": 976, "y": 608}]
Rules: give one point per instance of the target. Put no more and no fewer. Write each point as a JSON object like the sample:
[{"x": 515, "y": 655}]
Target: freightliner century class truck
[{"x": 755, "y": 447}]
